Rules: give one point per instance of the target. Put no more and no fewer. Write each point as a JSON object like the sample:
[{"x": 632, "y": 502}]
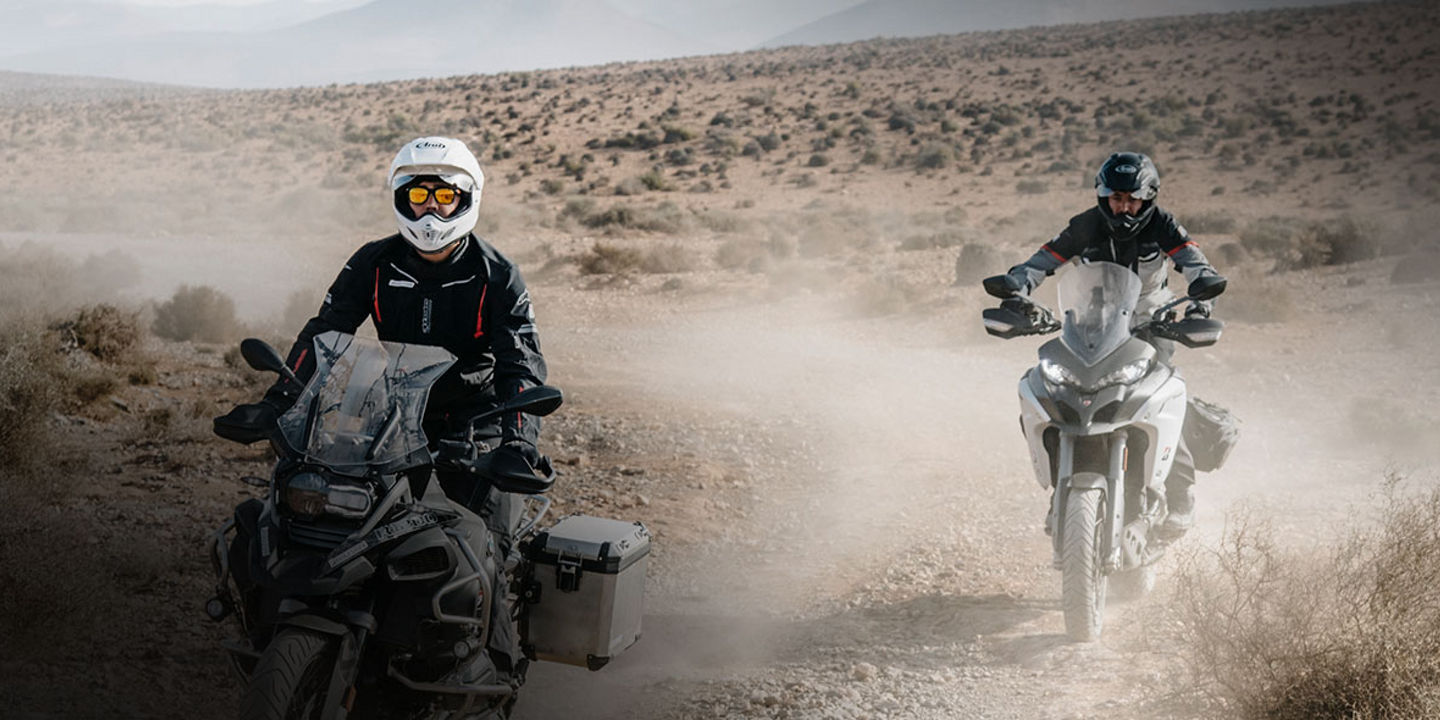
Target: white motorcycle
[{"x": 1102, "y": 413}]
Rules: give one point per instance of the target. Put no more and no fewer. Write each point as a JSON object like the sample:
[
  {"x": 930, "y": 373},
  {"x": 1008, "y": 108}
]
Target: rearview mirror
[
  {"x": 540, "y": 400},
  {"x": 259, "y": 355},
  {"x": 1206, "y": 288}
]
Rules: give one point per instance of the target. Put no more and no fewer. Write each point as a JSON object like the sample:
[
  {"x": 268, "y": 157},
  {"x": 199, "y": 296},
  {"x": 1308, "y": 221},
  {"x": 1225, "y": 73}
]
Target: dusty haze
[{"x": 745, "y": 272}]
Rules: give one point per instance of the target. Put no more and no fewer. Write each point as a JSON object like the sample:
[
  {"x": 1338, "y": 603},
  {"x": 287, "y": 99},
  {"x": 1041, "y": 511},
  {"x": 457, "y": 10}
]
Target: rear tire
[
  {"x": 1082, "y": 580},
  {"x": 291, "y": 677}
]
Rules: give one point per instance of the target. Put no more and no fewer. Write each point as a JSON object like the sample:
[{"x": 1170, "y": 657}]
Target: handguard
[
  {"x": 246, "y": 424},
  {"x": 1016, "y": 317}
]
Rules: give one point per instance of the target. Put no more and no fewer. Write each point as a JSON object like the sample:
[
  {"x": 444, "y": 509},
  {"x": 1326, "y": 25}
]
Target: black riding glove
[
  {"x": 1197, "y": 310},
  {"x": 247, "y": 423}
]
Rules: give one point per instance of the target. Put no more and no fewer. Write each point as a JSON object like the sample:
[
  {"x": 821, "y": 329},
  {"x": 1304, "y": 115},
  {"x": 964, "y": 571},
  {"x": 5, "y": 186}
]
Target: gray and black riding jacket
[
  {"x": 473, "y": 304},
  {"x": 1088, "y": 237}
]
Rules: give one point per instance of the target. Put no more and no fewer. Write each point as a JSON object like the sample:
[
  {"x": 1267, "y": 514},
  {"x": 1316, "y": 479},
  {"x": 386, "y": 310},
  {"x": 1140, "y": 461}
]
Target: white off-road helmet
[{"x": 446, "y": 160}]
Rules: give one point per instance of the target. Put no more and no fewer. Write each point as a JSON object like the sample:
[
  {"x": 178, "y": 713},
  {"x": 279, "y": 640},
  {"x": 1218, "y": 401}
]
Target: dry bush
[
  {"x": 738, "y": 253},
  {"x": 47, "y": 576},
  {"x": 1352, "y": 634},
  {"x": 1213, "y": 222},
  {"x": 1296, "y": 245},
  {"x": 606, "y": 259},
  {"x": 672, "y": 258},
  {"x": 105, "y": 331},
  {"x": 665, "y": 218},
  {"x": 197, "y": 312},
  {"x": 28, "y": 393}
]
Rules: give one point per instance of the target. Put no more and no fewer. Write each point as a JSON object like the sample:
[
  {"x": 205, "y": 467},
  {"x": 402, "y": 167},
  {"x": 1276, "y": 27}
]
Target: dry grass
[
  {"x": 1352, "y": 633},
  {"x": 199, "y": 313}
]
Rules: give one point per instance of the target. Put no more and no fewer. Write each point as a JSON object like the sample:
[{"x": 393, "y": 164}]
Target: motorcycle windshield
[
  {"x": 363, "y": 406},
  {"x": 1097, "y": 304}
]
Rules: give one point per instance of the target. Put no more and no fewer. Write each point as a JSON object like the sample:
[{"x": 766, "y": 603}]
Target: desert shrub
[
  {"x": 630, "y": 186},
  {"x": 933, "y": 156},
  {"x": 1209, "y": 223},
  {"x": 665, "y": 217},
  {"x": 28, "y": 391},
  {"x": 104, "y": 331},
  {"x": 722, "y": 222},
  {"x": 653, "y": 180},
  {"x": 1299, "y": 245},
  {"x": 931, "y": 241},
  {"x": 1344, "y": 241},
  {"x": 976, "y": 262},
  {"x": 606, "y": 259},
  {"x": 1031, "y": 187},
  {"x": 742, "y": 253},
  {"x": 552, "y": 186},
  {"x": 1352, "y": 633},
  {"x": 197, "y": 312},
  {"x": 818, "y": 160},
  {"x": 672, "y": 258}
]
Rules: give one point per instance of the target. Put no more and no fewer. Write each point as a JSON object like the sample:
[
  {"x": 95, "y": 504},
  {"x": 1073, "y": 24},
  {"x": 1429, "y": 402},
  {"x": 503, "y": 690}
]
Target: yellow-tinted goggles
[{"x": 418, "y": 195}]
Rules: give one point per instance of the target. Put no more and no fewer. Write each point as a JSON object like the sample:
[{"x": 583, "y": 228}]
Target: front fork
[{"x": 1112, "y": 483}]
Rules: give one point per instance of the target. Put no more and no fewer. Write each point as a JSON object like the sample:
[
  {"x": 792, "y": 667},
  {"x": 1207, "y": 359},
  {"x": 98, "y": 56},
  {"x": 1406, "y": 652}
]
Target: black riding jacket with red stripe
[
  {"x": 473, "y": 304},
  {"x": 1088, "y": 236}
]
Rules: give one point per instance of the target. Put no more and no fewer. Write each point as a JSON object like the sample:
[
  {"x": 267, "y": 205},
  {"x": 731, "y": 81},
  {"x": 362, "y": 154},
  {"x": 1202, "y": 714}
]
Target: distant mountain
[
  {"x": 32, "y": 25},
  {"x": 732, "y": 25},
  {"x": 381, "y": 40},
  {"x": 917, "y": 18}
]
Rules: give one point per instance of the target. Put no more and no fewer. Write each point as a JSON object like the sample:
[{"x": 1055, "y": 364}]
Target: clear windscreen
[
  {"x": 1097, "y": 302},
  {"x": 364, "y": 405}
]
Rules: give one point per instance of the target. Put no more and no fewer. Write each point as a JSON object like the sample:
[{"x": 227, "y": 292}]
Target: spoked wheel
[
  {"x": 291, "y": 677},
  {"x": 1082, "y": 580}
]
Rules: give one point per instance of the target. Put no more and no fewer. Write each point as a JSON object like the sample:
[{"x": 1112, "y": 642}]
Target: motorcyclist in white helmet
[{"x": 437, "y": 283}]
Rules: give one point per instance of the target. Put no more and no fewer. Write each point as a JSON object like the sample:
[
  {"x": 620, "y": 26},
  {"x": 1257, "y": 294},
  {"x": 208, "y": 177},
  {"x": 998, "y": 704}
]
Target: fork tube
[
  {"x": 1116, "y": 478},
  {"x": 1064, "y": 468}
]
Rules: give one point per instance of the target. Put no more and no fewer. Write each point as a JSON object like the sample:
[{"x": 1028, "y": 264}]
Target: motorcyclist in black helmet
[{"x": 1127, "y": 227}]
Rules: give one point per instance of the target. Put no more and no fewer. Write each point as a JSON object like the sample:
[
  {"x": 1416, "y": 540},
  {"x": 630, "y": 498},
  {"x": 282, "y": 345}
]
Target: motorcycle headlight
[
  {"x": 313, "y": 494},
  {"x": 1057, "y": 374},
  {"x": 1128, "y": 373}
]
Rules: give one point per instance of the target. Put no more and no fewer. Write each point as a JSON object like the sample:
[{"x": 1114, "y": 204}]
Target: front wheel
[
  {"x": 1082, "y": 580},
  {"x": 291, "y": 677}
]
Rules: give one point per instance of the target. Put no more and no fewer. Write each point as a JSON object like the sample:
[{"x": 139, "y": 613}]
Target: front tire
[
  {"x": 291, "y": 677},
  {"x": 1082, "y": 580}
]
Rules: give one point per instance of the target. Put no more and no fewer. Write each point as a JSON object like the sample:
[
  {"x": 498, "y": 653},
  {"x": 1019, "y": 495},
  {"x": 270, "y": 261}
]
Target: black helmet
[{"x": 1133, "y": 173}]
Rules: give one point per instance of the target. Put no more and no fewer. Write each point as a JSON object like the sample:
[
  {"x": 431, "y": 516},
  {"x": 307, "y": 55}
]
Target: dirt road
[{"x": 846, "y": 524}]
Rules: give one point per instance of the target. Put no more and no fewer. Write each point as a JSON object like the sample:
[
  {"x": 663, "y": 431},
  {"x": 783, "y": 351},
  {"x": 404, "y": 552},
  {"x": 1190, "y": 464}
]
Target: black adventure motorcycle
[
  {"x": 1102, "y": 414},
  {"x": 358, "y": 593}
]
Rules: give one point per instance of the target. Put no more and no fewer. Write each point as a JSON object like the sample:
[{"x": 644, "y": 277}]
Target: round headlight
[{"x": 306, "y": 494}]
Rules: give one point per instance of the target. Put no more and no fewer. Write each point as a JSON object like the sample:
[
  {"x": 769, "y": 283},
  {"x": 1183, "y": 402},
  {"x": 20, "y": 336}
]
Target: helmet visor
[
  {"x": 444, "y": 174},
  {"x": 1144, "y": 192}
]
